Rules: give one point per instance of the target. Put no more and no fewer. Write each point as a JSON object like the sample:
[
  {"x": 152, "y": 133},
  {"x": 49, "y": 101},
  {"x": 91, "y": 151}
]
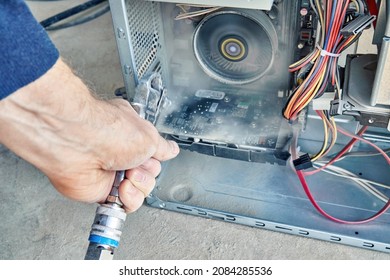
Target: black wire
[
  {"x": 80, "y": 20},
  {"x": 70, "y": 12}
]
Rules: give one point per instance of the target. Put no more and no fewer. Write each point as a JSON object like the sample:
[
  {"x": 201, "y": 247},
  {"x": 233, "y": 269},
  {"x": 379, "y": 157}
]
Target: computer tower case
[{"x": 215, "y": 80}]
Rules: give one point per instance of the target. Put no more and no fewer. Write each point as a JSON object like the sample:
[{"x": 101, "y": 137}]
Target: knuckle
[
  {"x": 153, "y": 166},
  {"x": 131, "y": 197},
  {"x": 134, "y": 205},
  {"x": 119, "y": 102}
]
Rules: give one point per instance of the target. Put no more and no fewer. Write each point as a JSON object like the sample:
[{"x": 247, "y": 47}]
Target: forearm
[{"x": 32, "y": 118}]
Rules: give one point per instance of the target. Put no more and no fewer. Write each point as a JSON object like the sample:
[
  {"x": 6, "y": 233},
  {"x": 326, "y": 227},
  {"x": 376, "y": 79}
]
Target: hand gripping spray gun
[{"x": 110, "y": 216}]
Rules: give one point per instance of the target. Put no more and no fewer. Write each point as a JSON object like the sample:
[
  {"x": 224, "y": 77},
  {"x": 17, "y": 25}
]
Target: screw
[
  {"x": 127, "y": 69},
  {"x": 371, "y": 120},
  {"x": 347, "y": 106},
  {"x": 271, "y": 142},
  {"x": 121, "y": 33}
]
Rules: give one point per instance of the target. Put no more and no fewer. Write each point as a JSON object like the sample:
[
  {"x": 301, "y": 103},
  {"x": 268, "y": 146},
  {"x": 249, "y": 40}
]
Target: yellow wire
[
  {"x": 335, "y": 135},
  {"x": 326, "y": 138},
  {"x": 322, "y": 22},
  {"x": 312, "y": 56},
  {"x": 186, "y": 14},
  {"x": 307, "y": 95},
  {"x": 311, "y": 93},
  {"x": 332, "y": 125},
  {"x": 291, "y": 104},
  {"x": 302, "y": 60}
]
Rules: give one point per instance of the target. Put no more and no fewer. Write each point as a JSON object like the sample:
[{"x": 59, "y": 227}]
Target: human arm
[
  {"x": 50, "y": 118},
  {"x": 79, "y": 141}
]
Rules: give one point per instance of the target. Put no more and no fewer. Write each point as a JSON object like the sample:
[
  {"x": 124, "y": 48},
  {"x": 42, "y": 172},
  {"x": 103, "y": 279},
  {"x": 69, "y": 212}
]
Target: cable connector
[
  {"x": 303, "y": 162},
  {"x": 358, "y": 25},
  {"x": 337, "y": 107}
]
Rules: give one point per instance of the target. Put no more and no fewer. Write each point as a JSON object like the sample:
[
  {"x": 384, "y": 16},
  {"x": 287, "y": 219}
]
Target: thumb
[{"x": 166, "y": 149}]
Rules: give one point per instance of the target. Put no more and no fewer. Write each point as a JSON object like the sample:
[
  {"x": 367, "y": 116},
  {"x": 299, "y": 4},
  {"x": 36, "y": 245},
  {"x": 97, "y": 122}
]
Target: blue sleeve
[{"x": 26, "y": 51}]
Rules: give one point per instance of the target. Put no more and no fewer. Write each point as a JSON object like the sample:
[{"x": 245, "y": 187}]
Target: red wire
[
  {"x": 367, "y": 142},
  {"x": 302, "y": 179},
  {"x": 340, "y": 154},
  {"x": 335, "y": 62},
  {"x": 301, "y": 176},
  {"x": 334, "y": 27},
  {"x": 328, "y": 14},
  {"x": 303, "y": 64},
  {"x": 313, "y": 83},
  {"x": 338, "y": 20},
  {"x": 332, "y": 33},
  {"x": 373, "y": 8}
]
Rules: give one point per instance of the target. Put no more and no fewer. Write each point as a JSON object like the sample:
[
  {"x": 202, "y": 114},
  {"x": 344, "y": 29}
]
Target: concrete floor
[{"x": 38, "y": 223}]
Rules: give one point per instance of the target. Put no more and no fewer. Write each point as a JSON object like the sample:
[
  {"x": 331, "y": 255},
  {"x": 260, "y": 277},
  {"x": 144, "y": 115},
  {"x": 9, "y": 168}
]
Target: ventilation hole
[
  {"x": 368, "y": 245},
  {"x": 144, "y": 27},
  {"x": 356, "y": 232},
  {"x": 260, "y": 224},
  {"x": 216, "y": 217},
  {"x": 335, "y": 238},
  {"x": 230, "y": 218},
  {"x": 360, "y": 173},
  {"x": 283, "y": 228},
  {"x": 303, "y": 232},
  {"x": 182, "y": 208}
]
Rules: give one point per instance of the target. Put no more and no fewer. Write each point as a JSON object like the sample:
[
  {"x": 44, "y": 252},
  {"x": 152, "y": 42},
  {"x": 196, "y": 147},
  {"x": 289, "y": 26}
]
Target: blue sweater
[{"x": 26, "y": 52}]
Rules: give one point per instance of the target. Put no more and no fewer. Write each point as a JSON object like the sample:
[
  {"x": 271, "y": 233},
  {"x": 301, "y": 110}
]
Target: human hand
[{"x": 79, "y": 141}]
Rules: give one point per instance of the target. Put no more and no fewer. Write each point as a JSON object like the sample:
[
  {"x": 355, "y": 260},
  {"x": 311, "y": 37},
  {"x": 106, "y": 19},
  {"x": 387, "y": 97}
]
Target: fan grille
[{"x": 235, "y": 48}]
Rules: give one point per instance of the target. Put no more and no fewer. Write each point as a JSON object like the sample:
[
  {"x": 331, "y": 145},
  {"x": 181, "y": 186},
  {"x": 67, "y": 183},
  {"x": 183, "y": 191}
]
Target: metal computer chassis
[
  {"x": 241, "y": 177},
  {"x": 269, "y": 196}
]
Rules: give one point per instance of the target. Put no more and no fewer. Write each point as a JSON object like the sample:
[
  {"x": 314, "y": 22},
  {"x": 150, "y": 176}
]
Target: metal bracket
[{"x": 149, "y": 96}]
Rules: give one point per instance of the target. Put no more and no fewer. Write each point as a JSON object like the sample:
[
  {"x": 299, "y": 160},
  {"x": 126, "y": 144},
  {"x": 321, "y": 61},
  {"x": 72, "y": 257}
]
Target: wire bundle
[
  {"x": 302, "y": 174},
  {"x": 319, "y": 68},
  {"x": 329, "y": 126},
  {"x": 189, "y": 11},
  {"x": 313, "y": 74}
]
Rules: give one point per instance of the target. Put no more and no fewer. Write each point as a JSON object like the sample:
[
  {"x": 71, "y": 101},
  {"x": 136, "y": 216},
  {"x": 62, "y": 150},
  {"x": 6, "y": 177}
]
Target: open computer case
[{"x": 214, "y": 76}]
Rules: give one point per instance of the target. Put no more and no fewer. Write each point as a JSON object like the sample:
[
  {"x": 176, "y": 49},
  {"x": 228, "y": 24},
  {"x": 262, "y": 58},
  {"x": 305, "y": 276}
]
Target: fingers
[
  {"x": 153, "y": 166},
  {"x": 133, "y": 190},
  {"x": 141, "y": 179},
  {"x": 131, "y": 197},
  {"x": 138, "y": 184}
]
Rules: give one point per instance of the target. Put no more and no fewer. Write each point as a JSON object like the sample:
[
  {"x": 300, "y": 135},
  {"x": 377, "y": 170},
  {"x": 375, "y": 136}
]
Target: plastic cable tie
[{"x": 326, "y": 53}]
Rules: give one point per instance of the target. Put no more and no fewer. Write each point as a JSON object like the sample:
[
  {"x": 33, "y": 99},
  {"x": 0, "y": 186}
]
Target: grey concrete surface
[{"x": 38, "y": 223}]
